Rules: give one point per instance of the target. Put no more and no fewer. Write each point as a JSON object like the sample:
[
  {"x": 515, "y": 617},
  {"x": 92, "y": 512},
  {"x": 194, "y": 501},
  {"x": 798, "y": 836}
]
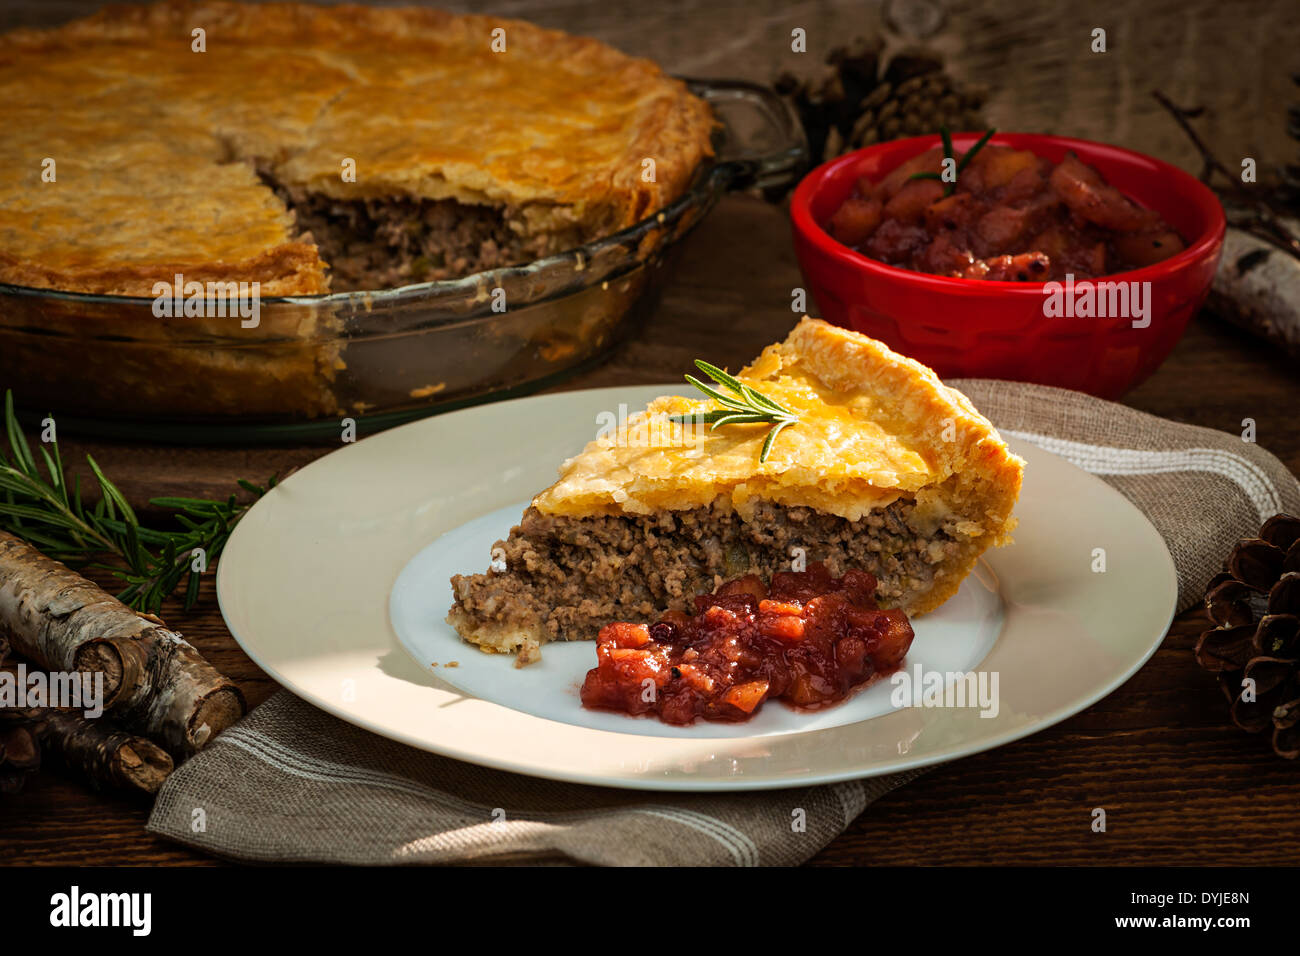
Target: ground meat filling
[
  {"x": 386, "y": 243},
  {"x": 576, "y": 574}
]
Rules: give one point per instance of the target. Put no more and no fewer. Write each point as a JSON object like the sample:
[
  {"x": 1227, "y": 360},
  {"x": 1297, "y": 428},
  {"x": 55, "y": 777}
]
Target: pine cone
[
  {"x": 855, "y": 103},
  {"x": 1255, "y": 605}
]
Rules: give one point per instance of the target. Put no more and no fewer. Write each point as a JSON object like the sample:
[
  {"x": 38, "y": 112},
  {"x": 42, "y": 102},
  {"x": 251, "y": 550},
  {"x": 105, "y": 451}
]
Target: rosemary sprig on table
[
  {"x": 39, "y": 506},
  {"x": 967, "y": 156},
  {"x": 747, "y": 406}
]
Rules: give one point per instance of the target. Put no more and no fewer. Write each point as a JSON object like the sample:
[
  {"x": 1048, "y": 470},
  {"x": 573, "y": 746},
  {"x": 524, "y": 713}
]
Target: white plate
[{"x": 336, "y": 584}]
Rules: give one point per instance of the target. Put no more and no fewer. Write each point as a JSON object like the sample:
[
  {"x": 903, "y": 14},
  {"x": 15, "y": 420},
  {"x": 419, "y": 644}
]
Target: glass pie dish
[{"x": 106, "y": 365}]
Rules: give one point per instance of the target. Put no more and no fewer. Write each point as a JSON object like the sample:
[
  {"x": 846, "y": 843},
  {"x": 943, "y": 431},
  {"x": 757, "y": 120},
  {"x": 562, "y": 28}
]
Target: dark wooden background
[
  {"x": 1234, "y": 57},
  {"x": 1179, "y": 784}
]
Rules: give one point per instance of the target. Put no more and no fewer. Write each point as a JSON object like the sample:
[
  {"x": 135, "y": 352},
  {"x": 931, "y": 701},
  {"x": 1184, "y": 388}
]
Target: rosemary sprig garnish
[
  {"x": 747, "y": 406},
  {"x": 39, "y": 506},
  {"x": 962, "y": 163}
]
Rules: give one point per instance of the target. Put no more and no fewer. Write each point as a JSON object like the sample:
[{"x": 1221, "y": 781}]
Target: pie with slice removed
[
  {"x": 307, "y": 149},
  {"x": 323, "y": 148},
  {"x": 886, "y": 470}
]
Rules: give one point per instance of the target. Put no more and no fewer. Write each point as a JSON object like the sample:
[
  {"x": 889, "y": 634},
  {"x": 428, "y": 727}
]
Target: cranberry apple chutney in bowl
[{"x": 1078, "y": 266}]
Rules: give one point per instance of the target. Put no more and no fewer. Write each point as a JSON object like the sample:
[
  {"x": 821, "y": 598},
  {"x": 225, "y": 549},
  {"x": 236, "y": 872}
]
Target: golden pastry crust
[
  {"x": 153, "y": 143},
  {"x": 874, "y": 427}
]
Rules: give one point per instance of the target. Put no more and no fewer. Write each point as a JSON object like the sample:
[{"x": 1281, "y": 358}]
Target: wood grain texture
[
  {"x": 1235, "y": 59},
  {"x": 1178, "y": 783}
]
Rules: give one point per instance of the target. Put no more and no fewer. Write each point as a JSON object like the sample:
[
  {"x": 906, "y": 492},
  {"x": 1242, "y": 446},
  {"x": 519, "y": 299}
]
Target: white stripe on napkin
[
  {"x": 275, "y": 754},
  {"x": 742, "y": 849},
  {"x": 1105, "y": 460},
  {"x": 853, "y": 798}
]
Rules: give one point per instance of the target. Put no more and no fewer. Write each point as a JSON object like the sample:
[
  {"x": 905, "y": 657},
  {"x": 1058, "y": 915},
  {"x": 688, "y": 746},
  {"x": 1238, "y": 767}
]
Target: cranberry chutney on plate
[
  {"x": 988, "y": 328},
  {"x": 808, "y": 640}
]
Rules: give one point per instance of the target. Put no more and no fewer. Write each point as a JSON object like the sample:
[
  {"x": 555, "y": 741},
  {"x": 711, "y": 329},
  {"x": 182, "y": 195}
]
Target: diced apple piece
[
  {"x": 854, "y": 221},
  {"x": 718, "y": 616},
  {"x": 910, "y": 202},
  {"x": 1052, "y": 242},
  {"x": 928, "y": 162},
  {"x": 807, "y": 689},
  {"x": 788, "y": 608},
  {"x": 860, "y": 586},
  {"x": 1024, "y": 184},
  {"x": 849, "y": 654},
  {"x": 999, "y": 165},
  {"x": 894, "y": 241},
  {"x": 695, "y": 677},
  {"x": 866, "y": 189},
  {"x": 1089, "y": 197},
  {"x": 784, "y": 627},
  {"x": 623, "y": 634},
  {"x": 950, "y": 212},
  {"x": 895, "y": 638},
  {"x": 1147, "y": 248},
  {"x": 944, "y": 257},
  {"x": 745, "y": 697},
  {"x": 1002, "y": 227}
]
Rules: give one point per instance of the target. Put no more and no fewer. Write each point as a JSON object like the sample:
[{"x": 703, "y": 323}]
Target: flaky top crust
[
  {"x": 153, "y": 142},
  {"x": 874, "y": 426}
]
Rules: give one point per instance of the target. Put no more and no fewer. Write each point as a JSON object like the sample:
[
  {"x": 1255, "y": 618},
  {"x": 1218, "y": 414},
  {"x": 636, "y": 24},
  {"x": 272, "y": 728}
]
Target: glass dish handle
[{"x": 762, "y": 143}]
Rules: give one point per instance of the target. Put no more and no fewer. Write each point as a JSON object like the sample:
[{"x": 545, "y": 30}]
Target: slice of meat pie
[{"x": 884, "y": 469}]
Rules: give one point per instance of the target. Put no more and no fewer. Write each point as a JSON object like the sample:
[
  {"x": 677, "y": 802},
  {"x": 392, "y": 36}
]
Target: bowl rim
[{"x": 806, "y": 227}]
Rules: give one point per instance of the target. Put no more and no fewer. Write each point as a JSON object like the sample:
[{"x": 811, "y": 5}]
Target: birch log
[
  {"x": 100, "y": 752},
  {"x": 155, "y": 683},
  {"x": 1258, "y": 288}
]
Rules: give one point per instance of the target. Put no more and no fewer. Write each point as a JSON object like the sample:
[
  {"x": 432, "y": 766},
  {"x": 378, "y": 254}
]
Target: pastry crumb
[
  {"x": 427, "y": 390},
  {"x": 530, "y": 652},
  {"x": 452, "y": 664}
]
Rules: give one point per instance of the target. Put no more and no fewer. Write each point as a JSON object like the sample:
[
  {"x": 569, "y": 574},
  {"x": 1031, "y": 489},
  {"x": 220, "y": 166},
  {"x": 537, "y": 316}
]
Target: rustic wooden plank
[
  {"x": 1180, "y": 785},
  {"x": 1233, "y": 58}
]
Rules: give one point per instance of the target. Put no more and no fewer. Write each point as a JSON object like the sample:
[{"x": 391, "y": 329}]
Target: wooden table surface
[{"x": 1179, "y": 784}]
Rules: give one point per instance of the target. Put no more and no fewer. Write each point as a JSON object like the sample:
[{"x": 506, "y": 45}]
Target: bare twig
[
  {"x": 1261, "y": 222},
  {"x": 1181, "y": 116}
]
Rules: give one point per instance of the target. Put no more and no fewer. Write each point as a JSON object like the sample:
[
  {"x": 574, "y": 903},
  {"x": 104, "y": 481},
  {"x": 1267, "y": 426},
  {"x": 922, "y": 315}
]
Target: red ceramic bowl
[{"x": 977, "y": 328}]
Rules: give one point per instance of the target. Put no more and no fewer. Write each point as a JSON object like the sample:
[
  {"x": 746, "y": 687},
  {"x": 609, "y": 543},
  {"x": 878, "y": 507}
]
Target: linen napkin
[{"x": 292, "y": 784}]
